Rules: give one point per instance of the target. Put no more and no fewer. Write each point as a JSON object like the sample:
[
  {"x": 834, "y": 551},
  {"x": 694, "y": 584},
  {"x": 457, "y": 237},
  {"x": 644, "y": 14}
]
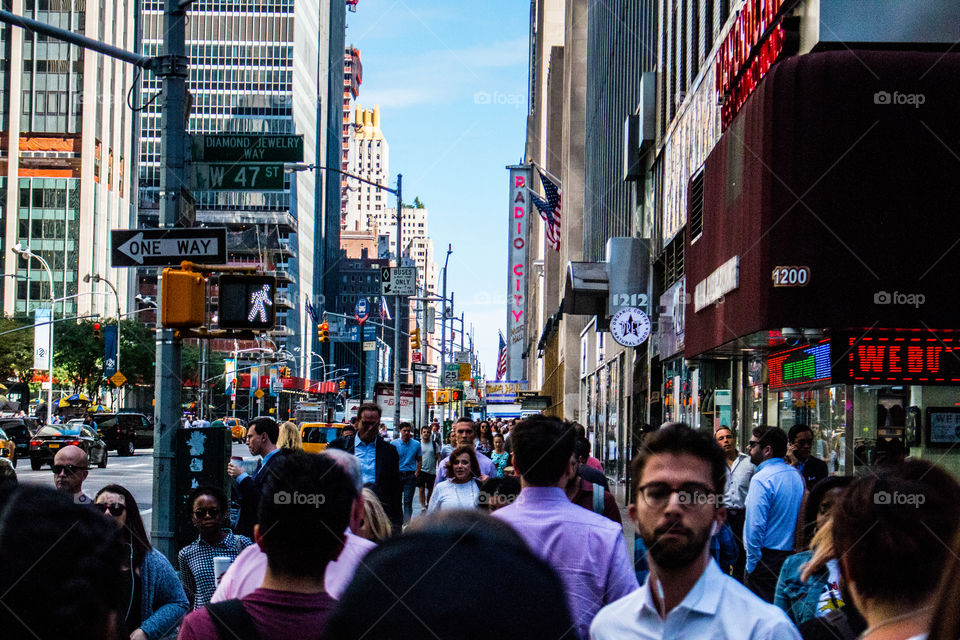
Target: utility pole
[
  {"x": 396, "y": 331},
  {"x": 171, "y": 66},
  {"x": 173, "y": 177}
]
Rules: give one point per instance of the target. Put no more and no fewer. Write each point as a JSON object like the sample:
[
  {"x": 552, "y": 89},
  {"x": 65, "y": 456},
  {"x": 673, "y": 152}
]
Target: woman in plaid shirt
[{"x": 208, "y": 508}]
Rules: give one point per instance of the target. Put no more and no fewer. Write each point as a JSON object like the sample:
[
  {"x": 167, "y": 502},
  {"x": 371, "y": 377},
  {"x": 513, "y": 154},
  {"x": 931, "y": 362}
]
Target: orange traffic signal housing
[{"x": 182, "y": 299}]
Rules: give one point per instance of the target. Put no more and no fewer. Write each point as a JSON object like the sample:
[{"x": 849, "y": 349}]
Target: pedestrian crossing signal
[{"x": 247, "y": 302}]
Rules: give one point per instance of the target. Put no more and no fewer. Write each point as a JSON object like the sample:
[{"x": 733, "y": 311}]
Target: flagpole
[{"x": 547, "y": 173}]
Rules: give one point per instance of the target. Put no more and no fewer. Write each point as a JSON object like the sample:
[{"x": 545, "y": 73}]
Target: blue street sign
[
  {"x": 361, "y": 308},
  {"x": 369, "y": 332}
]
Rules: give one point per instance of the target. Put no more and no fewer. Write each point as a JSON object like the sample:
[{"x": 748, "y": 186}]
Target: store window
[{"x": 824, "y": 411}]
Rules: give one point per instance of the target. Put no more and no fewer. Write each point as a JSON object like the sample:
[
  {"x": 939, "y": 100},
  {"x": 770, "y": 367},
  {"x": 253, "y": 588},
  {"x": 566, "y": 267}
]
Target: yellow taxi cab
[
  {"x": 238, "y": 432},
  {"x": 316, "y": 435},
  {"x": 8, "y": 449}
]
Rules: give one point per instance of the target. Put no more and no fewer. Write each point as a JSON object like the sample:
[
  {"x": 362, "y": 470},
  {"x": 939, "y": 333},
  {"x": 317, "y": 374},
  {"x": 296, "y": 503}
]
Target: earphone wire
[{"x": 132, "y": 585}]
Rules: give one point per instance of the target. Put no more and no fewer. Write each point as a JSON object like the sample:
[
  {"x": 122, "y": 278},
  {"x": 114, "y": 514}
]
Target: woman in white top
[{"x": 459, "y": 490}]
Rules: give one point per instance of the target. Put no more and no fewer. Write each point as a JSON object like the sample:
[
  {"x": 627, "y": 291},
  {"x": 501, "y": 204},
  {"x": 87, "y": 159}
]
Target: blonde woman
[
  {"x": 376, "y": 525},
  {"x": 289, "y": 437}
]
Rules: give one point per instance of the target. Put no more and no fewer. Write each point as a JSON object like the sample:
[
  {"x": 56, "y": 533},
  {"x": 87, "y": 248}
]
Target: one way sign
[{"x": 167, "y": 247}]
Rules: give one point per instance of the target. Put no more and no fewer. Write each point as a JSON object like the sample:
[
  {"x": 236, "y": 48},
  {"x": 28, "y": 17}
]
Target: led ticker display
[
  {"x": 801, "y": 365},
  {"x": 897, "y": 356}
]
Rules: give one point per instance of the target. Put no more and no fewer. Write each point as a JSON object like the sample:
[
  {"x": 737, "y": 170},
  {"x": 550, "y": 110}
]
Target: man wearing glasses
[
  {"x": 679, "y": 476},
  {"x": 70, "y": 468},
  {"x": 812, "y": 469},
  {"x": 773, "y": 504},
  {"x": 739, "y": 472}
]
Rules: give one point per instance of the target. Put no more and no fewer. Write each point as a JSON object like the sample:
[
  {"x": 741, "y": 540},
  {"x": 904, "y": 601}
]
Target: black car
[
  {"x": 125, "y": 432},
  {"x": 20, "y": 430},
  {"x": 49, "y": 439}
]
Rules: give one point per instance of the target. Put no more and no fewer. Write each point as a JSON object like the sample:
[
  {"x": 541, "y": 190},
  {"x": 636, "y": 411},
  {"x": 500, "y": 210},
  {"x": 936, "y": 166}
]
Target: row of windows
[
  {"x": 41, "y": 230},
  {"x": 269, "y": 6}
]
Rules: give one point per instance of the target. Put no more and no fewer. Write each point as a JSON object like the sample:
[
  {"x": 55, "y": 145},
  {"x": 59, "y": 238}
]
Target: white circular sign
[{"x": 630, "y": 327}]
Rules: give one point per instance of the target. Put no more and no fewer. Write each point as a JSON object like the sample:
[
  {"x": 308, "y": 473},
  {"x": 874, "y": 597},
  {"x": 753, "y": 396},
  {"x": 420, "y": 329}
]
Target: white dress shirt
[
  {"x": 738, "y": 481},
  {"x": 716, "y": 608}
]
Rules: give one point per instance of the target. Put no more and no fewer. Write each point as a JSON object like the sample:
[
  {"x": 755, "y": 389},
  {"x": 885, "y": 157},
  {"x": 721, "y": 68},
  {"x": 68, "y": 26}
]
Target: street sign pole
[
  {"x": 173, "y": 176},
  {"x": 396, "y": 329}
]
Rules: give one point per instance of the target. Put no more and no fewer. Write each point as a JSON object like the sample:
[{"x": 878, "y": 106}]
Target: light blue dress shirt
[
  {"x": 409, "y": 452},
  {"x": 716, "y": 607},
  {"x": 367, "y": 455},
  {"x": 773, "y": 504}
]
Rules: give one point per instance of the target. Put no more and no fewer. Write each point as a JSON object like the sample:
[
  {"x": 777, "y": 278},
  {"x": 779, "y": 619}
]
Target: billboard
[
  {"x": 518, "y": 235},
  {"x": 504, "y": 391}
]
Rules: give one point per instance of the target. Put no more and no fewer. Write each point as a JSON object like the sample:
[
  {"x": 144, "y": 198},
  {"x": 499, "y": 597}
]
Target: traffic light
[
  {"x": 96, "y": 330},
  {"x": 182, "y": 299},
  {"x": 415, "y": 339},
  {"x": 247, "y": 302},
  {"x": 323, "y": 331},
  {"x": 343, "y": 384}
]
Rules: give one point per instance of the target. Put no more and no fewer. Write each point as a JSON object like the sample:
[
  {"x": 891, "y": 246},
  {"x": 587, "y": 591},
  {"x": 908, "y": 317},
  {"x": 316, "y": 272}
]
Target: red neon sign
[
  {"x": 751, "y": 47},
  {"x": 897, "y": 356}
]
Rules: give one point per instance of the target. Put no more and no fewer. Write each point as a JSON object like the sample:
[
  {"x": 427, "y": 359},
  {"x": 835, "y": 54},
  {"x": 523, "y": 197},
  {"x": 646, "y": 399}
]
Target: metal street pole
[
  {"x": 396, "y": 331},
  {"x": 173, "y": 177},
  {"x": 53, "y": 303},
  {"x": 96, "y": 277}
]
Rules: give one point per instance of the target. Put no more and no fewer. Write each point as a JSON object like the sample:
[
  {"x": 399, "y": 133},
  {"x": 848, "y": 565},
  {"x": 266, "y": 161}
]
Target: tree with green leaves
[
  {"x": 16, "y": 348},
  {"x": 78, "y": 356}
]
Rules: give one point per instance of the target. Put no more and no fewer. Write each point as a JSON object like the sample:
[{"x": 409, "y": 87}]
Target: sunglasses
[
  {"x": 203, "y": 513},
  {"x": 69, "y": 468},
  {"x": 116, "y": 510},
  {"x": 753, "y": 443}
]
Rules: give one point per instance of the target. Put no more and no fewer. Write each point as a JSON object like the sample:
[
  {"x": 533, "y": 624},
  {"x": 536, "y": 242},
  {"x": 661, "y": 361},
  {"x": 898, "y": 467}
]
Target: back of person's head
[
  {"x": 376, "y": 525},
  {"x": 304, "y": 511},
  {"x": 498, "y": 492},
  {"x": 266, "y": 425},
  {"x": 677, "y": 438},
  {"x": 8, "y": 477},
  {"x": 581, "y": 449},
  {"x": 772, "y": 437},
  {"x": 511, "y": 593},
  {"x": 60, "y": 572},
  {"x": 289, "y": 437},
  {"x": 889, "y": 531},
  {"x": 578, "y": 429},
  {"x": 349, "y": 463},
  {"x": 796, "y": 430},
  {"x": 542, "y": 447},
  {"x": 814, "y": 499}
]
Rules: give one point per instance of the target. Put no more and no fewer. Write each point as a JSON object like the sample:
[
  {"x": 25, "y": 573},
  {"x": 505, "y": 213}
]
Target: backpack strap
[
  {"x": 598, "y": 499},
  {"x": 232, "y": 620},
  {"x": 838, "y": 623}
]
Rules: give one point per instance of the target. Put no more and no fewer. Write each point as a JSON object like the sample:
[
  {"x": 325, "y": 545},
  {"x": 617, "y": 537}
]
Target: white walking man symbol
[{"x": 257, "y": 301}]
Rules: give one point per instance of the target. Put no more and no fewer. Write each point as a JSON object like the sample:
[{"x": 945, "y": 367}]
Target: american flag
[
  {"x": 549, "y": 207},
  {"x": 502, "y": 359},
  {"x": 384, "y": 309}
]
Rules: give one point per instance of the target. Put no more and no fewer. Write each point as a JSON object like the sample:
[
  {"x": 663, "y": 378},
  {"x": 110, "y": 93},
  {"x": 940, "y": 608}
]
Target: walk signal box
[{"x": 247, "y": 302}]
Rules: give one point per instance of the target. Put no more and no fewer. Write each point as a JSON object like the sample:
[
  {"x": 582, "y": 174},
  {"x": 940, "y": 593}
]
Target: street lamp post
[
  {"x": 396, "y": 331},
  {"x": 95, "y": 277},
  {"x": 19, "y": 250}
]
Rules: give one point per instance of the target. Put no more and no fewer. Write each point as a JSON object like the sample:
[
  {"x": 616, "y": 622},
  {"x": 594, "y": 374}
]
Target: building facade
[
  {"x": 369, "y": 158},
  {"x": 67, "y": 160}
]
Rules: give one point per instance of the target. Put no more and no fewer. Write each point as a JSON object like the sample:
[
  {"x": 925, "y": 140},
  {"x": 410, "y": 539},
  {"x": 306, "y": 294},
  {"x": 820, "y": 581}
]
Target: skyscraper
[
  {"x": 65, "y": 172},
  {"x": 369, "y": 157},
  {"x": 258, "y": 68}
]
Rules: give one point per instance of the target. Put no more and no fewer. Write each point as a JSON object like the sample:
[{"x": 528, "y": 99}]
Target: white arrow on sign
[{"x": 136, "y": 247}]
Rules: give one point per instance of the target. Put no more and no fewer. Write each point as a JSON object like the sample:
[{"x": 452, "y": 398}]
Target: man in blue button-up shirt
[
  {"x": 773, "y": 504},
  {"x": 410, "y": 459}
]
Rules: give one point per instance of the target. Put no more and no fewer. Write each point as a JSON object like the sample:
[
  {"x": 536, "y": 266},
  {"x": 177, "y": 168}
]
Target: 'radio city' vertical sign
[{"x": 517, "y": 254}]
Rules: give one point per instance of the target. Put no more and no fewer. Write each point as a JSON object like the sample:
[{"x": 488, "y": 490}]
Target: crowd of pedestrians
[{"x": 519, "y": 536}]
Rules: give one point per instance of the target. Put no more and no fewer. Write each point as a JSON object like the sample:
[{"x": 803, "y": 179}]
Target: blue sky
[{"x": 450, "y": 77}]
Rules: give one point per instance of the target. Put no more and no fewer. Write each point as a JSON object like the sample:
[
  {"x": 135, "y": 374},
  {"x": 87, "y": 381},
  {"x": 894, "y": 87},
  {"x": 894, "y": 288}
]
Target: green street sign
[
  {"x": 241, "y": 147},
  {"x": 237, "y": 177}
]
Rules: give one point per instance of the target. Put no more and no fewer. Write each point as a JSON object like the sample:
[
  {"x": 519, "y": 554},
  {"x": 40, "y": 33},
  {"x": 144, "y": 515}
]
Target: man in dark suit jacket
[
  {"x": 811, "y": 468},
  {"x": 379, "y": 461},
  {"x": 346, "y": 437},
  {"x": 262, "y": 436}
]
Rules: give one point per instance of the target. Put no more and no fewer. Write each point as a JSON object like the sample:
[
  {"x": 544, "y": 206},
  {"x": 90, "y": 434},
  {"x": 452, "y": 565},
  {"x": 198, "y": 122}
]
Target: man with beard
[{"x": 679, "y": 478}]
